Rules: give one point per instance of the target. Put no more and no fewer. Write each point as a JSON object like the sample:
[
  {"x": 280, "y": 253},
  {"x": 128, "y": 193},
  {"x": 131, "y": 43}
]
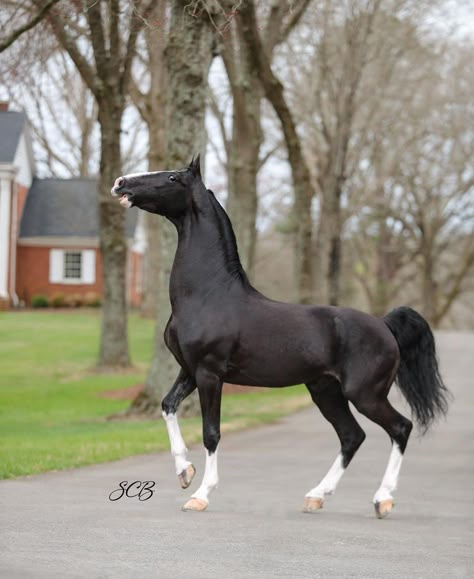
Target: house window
[{"x": 72, "y": 264}]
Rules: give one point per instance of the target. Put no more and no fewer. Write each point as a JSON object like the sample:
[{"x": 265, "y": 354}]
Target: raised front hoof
[
  {"x": 186, "y": 476},
  {"x": 312, "y": 504},
  {"x": 195, "y": 504},
  {"x": 383, "y": 508}
]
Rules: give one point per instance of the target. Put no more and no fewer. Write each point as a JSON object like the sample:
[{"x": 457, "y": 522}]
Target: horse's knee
[{"x": 169, "y": 404}]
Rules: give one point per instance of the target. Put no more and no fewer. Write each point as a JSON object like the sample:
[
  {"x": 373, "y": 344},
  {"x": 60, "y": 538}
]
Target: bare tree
[
  {"x": 411, "y": 198},
  {"x": 437, "y": 180},
  {"x": 243, "y": 146},
  {"x": 101, "y": 41},
  {"x": 303, "y": 189}
]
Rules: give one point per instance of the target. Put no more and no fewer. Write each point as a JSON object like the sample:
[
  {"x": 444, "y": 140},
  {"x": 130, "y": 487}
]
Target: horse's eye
[{"x": 171, "y": 178}]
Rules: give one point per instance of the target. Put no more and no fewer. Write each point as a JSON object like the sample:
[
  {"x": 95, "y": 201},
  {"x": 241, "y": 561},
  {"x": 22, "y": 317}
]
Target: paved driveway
[{"x": 63, "y": 525}]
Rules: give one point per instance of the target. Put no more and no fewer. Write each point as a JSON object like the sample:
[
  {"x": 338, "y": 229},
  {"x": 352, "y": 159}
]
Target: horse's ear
[{"x": 195, "y": 165}]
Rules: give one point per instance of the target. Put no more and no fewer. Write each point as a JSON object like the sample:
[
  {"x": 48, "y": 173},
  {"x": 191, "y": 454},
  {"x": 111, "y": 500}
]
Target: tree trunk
[
  {"x": 189, "y": 56},
  {"x": 429, "y": 289},
  {"x": 151, "y": 266},
  {"x": 243, "y": 168},
  {"x": 332, "y": 184},
  {"x": 243, "y": 162},
  {"x": 152, "y": 107},
  {"x": 303, "y": 242},
  {"x": 113, "y": 245},
  {"x": 153, "y": 225},
  {"x": 334, "y": 245},
  {"x": 383, "y": 277},
  {"x": 107, "y": 75}
]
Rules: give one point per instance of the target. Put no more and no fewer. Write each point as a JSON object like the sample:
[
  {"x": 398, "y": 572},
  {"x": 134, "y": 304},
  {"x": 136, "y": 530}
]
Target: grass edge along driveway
[{"x": 53, "y": 415}]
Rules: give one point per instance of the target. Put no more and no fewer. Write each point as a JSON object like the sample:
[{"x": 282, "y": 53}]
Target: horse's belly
[{"x": 274, "y": 373}]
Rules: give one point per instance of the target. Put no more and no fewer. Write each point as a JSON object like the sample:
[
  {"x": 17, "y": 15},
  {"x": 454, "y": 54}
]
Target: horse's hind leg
[
  {"x": 373, "y": 403},
  {"x": 333, "y": 405},
  {"x": 182, "y": 388}
]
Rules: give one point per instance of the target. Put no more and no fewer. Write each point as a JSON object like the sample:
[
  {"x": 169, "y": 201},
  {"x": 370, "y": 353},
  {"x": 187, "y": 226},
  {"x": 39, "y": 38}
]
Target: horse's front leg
[
  {"x": 182, "y": 388},
  {"x": 210, "y": 394}
]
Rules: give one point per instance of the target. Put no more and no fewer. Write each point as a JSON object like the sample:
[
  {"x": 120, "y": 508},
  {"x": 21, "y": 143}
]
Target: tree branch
[
  {"x": 10, "y": 39},
  {"x": 70, "y": 46}
]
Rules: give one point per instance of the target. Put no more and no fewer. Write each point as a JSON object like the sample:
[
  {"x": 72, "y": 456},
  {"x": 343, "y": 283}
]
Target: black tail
[{"x": 418, "y": 376}]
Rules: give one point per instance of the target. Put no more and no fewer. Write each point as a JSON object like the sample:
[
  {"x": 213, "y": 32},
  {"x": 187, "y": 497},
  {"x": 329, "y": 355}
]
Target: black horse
[{"x": 223, "y": 329}]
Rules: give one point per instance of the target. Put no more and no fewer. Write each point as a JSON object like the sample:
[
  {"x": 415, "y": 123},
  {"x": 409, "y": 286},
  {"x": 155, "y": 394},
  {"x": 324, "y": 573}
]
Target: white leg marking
[
  {"x": 390, "y": 478},
  {"x": 178, "y": 448},
  {"x": 329, "y": 483},
  {"x": 210, "y": 479}
]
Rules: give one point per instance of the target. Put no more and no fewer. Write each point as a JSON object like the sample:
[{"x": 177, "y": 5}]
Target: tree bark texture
[
  {"x": 243, "y": 149},
  {"x": 113, "y": 247},
  {"x": 152, "y": 107}
]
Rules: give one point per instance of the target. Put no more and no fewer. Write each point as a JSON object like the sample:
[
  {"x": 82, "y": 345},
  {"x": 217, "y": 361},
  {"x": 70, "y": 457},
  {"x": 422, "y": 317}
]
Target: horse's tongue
[{"x": 124, "y": 201}]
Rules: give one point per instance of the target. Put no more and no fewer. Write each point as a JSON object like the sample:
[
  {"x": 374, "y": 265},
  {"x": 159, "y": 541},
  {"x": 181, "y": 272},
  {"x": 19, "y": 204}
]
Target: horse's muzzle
[{"x": 119, "y": 183}]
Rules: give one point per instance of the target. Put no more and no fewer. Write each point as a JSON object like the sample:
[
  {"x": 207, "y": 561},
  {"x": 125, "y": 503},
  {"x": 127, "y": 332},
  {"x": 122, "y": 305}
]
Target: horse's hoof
[
  {"x": 195, "y": 504},
  {"x": 186, "y": 476},
  {"x": 312, "y": 504},
  {"x": 383, "y": 508}
]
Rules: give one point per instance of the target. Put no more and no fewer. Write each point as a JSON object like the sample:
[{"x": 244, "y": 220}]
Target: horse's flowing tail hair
[{"x": 418, "y": 376}]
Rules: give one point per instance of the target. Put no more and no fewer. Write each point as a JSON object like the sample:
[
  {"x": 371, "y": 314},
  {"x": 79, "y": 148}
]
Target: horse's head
[{"x": 167, "y": 193}]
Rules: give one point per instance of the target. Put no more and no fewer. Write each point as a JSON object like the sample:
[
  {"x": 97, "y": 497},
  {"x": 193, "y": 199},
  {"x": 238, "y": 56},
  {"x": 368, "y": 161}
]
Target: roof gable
[
  {"x": 11, "y": 128},
  {"x": 65, "y": 208}
]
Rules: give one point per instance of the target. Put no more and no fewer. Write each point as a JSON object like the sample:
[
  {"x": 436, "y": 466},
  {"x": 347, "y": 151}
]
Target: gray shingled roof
[
  {"x": 65, "y": 208},
  {"x": 11, "y": 127}
]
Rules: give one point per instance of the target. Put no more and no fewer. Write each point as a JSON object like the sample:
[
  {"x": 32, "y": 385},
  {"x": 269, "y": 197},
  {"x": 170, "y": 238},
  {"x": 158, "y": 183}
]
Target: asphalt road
[{"x": 63, "y": 524}]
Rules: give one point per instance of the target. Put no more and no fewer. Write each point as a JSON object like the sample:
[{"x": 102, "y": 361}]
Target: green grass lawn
[{"x": 52, "y": 415}]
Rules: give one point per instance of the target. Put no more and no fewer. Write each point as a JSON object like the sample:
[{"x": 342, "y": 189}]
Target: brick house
[{"x": 49, "y": 235}]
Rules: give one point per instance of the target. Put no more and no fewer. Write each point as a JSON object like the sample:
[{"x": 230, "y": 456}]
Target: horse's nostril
[{"x": 119, "y": 182}]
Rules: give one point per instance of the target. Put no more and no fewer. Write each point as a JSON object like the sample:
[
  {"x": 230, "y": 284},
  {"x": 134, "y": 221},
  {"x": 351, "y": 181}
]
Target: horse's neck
[{"x": 206, "y": 258}]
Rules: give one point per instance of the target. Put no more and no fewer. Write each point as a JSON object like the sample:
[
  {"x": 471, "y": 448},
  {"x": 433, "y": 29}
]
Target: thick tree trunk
[
  {"x": 189, "y": 56},
  {"x": 113, "y": 245}
]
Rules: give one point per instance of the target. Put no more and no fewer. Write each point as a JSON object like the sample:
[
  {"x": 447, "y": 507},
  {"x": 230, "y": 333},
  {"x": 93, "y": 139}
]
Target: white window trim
[{"x": 56, "y": 267}]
